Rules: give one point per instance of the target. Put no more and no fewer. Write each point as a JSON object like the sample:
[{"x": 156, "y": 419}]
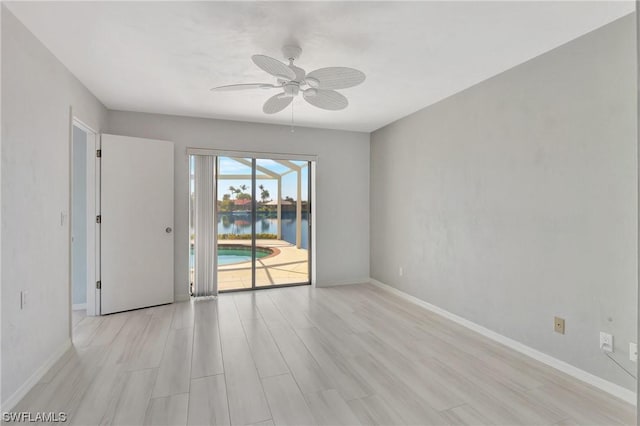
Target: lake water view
[{"x": 240, "y": 223}]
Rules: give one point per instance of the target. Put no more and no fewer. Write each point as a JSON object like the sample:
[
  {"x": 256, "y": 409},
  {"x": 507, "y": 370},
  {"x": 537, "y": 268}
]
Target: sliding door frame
[
  {"x": 254, "y": 217},
  {"x": 312, "y": 164}
]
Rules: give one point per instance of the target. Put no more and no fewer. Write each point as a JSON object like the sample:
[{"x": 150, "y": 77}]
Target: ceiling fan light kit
[{"x": 318, "y": 87}]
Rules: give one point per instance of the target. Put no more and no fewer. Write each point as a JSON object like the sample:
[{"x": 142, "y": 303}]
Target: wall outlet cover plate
[{"x": 606, "y": 342}]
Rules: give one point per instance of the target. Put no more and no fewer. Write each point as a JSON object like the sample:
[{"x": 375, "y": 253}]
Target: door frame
[
  {"x": 92, "y": 232},
  {"x": 313, "y": 170}
]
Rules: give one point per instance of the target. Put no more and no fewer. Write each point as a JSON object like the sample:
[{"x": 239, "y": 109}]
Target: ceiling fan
[{"x": 317, "y": 87}]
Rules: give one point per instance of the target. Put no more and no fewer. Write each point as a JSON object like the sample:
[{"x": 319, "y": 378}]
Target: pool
[
  {"x": 230, "y": 259},
  {"x": 228, "y": 254}
]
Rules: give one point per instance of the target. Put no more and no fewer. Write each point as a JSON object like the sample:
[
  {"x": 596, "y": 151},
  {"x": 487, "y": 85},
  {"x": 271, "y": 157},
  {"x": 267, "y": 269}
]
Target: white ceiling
[{"x": 163, "y": 57}]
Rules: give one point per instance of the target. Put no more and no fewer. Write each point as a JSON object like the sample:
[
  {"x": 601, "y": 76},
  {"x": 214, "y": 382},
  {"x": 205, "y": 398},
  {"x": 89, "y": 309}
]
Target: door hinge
[
  {"x": 99, "y": 219},
  {"x": 99, "y": 153},
  {"x": 99, "y": 285}
]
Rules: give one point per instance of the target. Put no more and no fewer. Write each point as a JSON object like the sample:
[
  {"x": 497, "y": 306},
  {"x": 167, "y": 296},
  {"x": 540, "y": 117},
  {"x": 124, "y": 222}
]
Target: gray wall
[
  {"x": 342, "y": 205},
  {"x": 37, "y": 93},
  {"x": 516, "y": 200},
  {"x": 79, "y": 219}
]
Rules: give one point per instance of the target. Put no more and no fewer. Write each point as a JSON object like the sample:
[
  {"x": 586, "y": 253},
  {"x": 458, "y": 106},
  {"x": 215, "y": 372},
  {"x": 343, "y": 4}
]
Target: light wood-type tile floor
[{"x": 300, "y": 356}]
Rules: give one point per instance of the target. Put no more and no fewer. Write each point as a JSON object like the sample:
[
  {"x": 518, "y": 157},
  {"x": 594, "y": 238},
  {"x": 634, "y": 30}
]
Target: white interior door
[{"x": 136, "y": 223}]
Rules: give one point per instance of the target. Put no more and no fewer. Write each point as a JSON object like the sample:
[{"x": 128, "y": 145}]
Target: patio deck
[{"x": 289, "y": 266}]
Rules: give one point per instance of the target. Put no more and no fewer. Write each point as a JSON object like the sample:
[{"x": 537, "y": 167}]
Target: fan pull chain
[{"x": 292, "y": 129}]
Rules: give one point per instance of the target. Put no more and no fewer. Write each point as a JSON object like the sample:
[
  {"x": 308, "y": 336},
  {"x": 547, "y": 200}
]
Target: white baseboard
[
  {"x": 605, "y": 385},
  {"x": 11, "y": 402},
  {"x": 337, "y": 283},
  {"x": 79, "y": 306}
]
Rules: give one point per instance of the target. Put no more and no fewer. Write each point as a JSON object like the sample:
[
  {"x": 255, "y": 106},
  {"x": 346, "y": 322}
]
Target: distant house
[{"x": 242, "y": 202}]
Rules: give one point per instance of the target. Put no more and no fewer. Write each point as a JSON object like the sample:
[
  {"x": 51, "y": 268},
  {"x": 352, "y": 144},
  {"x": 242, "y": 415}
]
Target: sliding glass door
[
  {"x": 282, "y": 240},
  {"x": 262, "y": 214}
]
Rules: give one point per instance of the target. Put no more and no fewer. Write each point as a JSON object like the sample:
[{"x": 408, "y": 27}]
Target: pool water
[
  {"x": 228, "y": 255},
  {"x": 228, "y": 259}
]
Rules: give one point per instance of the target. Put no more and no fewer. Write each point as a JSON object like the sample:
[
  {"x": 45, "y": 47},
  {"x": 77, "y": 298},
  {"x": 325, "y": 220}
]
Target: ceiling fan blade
[
  {"x": 325, "y": 99},
  {"x": 243, "y": 86},
  {"x": 335, "y": 78},
  {"x": 276, "y": 103},
  {"x": 273, "y": 67}
]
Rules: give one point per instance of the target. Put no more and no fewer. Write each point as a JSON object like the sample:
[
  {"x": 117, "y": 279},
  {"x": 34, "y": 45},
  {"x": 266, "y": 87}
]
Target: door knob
[{"x": 168, "y": 230}]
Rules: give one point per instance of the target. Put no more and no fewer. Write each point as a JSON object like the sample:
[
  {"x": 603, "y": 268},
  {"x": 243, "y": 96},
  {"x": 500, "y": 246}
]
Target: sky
[{"x": 230, "y": 167}]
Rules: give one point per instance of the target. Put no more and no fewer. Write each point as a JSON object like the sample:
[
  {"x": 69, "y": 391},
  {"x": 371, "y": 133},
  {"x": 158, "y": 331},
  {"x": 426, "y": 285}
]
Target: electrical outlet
[
  {"x": 400, "y": 271},
  {"x": 606, "y": 342},
  {"x": 558, "y": 325},
  {"x": 633, "y": 352}
]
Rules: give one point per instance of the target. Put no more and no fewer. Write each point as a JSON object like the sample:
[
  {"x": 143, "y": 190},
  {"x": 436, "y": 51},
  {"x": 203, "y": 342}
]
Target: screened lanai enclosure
[{"x": 249, "y": 222}]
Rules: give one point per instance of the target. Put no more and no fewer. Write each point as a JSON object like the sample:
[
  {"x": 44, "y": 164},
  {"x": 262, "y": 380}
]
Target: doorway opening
[
  {"x": 82, "y": 229},
  {"x": 261, "y": 222}
]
